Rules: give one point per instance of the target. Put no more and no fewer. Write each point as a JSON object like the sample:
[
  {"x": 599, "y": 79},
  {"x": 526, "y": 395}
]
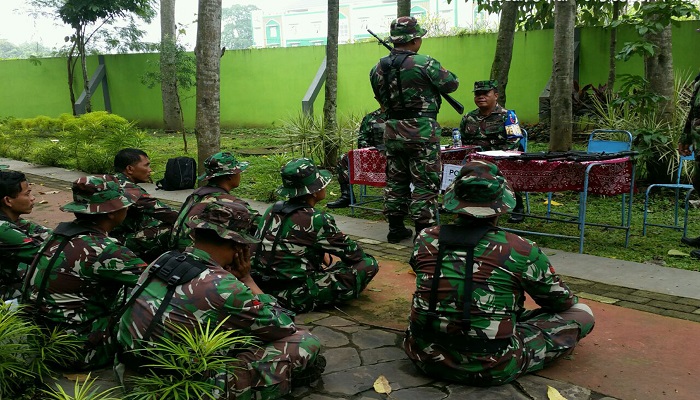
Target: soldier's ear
[{"x": 6, "y": 202}]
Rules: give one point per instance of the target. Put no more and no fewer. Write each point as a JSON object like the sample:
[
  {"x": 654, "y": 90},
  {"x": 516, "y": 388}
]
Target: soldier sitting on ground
[
  {"x": 294, "y": 259},
  {"x": 81, "y": 275},
  {"x": 211, "y": 283},
  {"x": 470, "y": 325},
  {"x": 19, "y": 239},
  {"x": 223, "y": 172},
  {"x": 146, "y": 229}
]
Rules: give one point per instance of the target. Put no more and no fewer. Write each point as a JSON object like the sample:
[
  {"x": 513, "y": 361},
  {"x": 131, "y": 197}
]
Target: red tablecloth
[
  {"x": 368, "y": 166},
  {"x": 612, "y": 178}
]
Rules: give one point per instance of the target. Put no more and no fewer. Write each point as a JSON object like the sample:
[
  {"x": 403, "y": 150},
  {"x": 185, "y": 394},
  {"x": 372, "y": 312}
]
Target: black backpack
[{"x": 180, "y": 173}]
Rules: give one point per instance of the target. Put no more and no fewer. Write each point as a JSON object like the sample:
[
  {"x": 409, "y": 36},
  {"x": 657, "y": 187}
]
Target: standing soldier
[
  {"x": 691, "y": 136},
  {"x": 408, "y": 85}
]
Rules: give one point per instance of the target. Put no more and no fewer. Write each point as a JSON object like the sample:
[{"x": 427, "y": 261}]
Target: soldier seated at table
[
  {"x": 371, "y": 134},
  {"x": 294, "y": 260},
  {"x": 19, "y": 239},
  {"x": 470, "y": 325},
  {"x": 210, "y": 283},
  {"x": 146, "y": 229},
  {"x": 490, "y": 127},
  {"x": 223, "y": 173},
  {"x": 81, "y": 275}
]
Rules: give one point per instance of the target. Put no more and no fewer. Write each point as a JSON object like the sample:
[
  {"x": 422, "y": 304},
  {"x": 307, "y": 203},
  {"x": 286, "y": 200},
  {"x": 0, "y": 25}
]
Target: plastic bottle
[
  {"x": 513, "y": 131},
  {"x": 456, "y": 138}
]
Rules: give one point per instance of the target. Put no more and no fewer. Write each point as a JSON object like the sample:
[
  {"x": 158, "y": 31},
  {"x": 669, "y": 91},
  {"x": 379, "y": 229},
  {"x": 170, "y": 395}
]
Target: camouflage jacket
[
  {"x": 19, "y": 243},
  {"x": 488, "y": 132},
  {"x": 691, "y": 129},
  {"x": 87, "y": 281},
  {"x": 213, "y": 296},
  {"x": 194, "y": 205},
  {"x": 147, "y": 211},
  {"x": 422, "y": 81},
  {"x": 506, "y": 268},
  {"x": 305, "y": 236},
  {"x": 371, "y": 133}
]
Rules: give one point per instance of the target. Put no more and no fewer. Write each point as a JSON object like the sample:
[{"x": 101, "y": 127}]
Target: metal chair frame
[{"x": 677, "y": 187}]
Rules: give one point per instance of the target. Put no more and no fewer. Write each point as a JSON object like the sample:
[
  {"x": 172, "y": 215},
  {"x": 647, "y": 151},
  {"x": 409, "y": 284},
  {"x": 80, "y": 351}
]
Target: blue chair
[{"x": 677, "y": 188}]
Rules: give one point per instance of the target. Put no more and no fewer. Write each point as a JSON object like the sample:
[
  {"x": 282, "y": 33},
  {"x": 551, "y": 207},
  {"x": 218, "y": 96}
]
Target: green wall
[{"x": 262, "y": 87}]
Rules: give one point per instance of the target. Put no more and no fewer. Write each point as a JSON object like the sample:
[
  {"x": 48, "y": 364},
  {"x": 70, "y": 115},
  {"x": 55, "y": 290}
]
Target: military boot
[
  {"x": 311, "y": 373},
  {"x": 518, "y": 214},
  {"x": 693, "y": 242},
  {"x": 344, "y": 199},
  {"x": 397, "y": 229}
]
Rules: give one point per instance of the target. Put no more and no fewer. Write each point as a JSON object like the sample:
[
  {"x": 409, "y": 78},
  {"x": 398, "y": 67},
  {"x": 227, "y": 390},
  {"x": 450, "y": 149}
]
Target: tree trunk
[
  {"x": 613, "y": 50},
  {"x": 562, "y": 76},
  {"x": 208, "y": 53},
  {"x": 70, "y": 64},
  {"x": 658, "y": 70},
  {"x": 83, "y": 66},
  {"x": 504, "y": 48},
  {"x": 403, "y": 8},
  {"x": 172, "y": 112},
  {"x": 330, "y": 139}
]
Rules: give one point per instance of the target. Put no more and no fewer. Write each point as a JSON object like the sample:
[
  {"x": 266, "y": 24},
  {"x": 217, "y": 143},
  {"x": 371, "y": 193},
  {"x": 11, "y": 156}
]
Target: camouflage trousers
[
  {"x": 538, "y": 341},
  {"x": 267, "y": 372},
  {"x": 334, "y": 285},
  {"x": 150, "y": 242},
  {"x": 343, "y": 169},
  {"x": 416, "y": 163}
]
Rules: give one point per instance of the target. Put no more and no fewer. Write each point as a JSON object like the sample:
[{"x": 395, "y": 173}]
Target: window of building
[
  {"x": 363, "y": 23},
  {"x": 293, "y": 28},
  {"x": 272, "y": 31},
  {"x": 316, "y": 27}
]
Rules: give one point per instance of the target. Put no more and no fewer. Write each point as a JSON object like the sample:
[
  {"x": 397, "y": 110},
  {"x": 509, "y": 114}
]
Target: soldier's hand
[{"x": 241, "y": 262}]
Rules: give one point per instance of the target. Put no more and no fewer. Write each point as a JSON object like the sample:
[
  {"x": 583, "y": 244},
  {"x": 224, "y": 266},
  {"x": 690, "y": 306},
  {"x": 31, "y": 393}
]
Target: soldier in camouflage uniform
[
  {"x": 223, "y": 173},
  {"x": 221, "y": 291},
  {"x": 408, "y": 85},
  {"x": 81, "y": 275},
  {"x": 691, "y": 136},
  {"x": 146, "y": 230},
  {"x": 19, "y": 239},
  {"x": 486, "y": 127},
  {"x": 371, "y": 134},
  {"x": 294, "y": 258},
  {"x": 496, "y": 340}
]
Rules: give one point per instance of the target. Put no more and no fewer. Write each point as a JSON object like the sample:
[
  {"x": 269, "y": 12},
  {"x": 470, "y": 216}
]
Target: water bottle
[
  {"x": 456, "y": 138},
  {"x": 513, "y": 132}
]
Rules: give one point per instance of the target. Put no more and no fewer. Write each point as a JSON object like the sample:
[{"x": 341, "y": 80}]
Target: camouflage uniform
[
  {"x": 289, "y": 259},
  {"x": 488, "y": 132},
  {"x": 504, "y": 340},
  {"x": 412, "y": 134},
  {"x": 219, "y": 164},
  {"x": 19, "y": 243},
  {"x": 79, "y": 287},
  {"x": 146, "y": 230},
  {"x": 264, "y": 370}
]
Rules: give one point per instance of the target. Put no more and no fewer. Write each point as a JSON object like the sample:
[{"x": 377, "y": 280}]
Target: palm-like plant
[{"x": 81, "y": 391}]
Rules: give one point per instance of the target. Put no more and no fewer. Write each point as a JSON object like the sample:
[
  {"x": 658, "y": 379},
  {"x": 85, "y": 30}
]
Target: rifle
[{"x": 449, "y": 99}]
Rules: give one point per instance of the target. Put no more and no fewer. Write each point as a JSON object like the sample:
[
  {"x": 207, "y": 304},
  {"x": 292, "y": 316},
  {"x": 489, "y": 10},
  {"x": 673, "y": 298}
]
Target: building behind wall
[{"x": 305, "y": 23}]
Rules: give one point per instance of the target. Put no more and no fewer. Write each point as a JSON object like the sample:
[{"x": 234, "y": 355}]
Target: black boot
[
  {"x": 693, "y": 242},
  {"x": 419, "y": 228},
  {"x": 518, "y": 213},
  {"x": 344, "y": 200},
  {"x": 397, "y": 229}
]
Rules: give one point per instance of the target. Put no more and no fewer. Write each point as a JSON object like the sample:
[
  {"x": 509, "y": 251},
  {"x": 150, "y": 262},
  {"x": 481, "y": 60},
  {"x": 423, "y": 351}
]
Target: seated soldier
[
  {"x": 19, "y": 239},
  {"x": 224, "y": 174},
  {"x": 81, "y": 276},
  {"x": 471, "y": 326},
  {"x": 294, "y": 257},
  {"x": 219, "y": 289},
  {"x": 371, "y": 134},
  {"x": 146, "y": 229}
]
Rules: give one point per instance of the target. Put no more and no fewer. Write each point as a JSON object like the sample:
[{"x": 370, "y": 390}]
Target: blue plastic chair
[{"x": 677, "y": 188}]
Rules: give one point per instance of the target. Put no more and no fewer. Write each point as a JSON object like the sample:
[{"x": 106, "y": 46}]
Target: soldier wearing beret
[{"x": 468, "y": 323}]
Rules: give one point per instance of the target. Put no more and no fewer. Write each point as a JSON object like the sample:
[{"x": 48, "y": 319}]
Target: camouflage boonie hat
[
  {"x": 405, "y": 29},
  {"x": 230, "y": 220},
  {"x": 301, "y": 176},
  {"x": 485, "y": 85},
  {"x": 479, "y": 190},
  {"x": 222, "y": 163},
  {"x": 97, "y": 194}
]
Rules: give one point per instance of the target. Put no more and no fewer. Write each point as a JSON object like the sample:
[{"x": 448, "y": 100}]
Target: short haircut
[
  {"x": 126, "y": 157},
  {"x": 11, "y": 183}
]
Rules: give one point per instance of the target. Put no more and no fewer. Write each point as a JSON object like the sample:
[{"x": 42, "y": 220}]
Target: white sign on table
[{"x": 449, "y": 172}]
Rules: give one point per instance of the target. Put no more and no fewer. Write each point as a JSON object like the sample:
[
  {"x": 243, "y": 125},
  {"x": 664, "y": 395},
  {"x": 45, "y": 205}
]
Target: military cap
[
  {"x": 97, "y": 194},
  {"x": 405, "y": 29},
  {"x": 479, "y": 190},
  {"x": 230, "y": 220},
  {"x": 491, "y": 84},
  {"x": 301, "y": 176},
  {"x": 222, "y": 163}
]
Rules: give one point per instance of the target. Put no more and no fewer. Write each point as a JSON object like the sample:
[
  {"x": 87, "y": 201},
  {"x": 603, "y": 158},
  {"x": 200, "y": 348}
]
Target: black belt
[{"x": 407, "y": 114}]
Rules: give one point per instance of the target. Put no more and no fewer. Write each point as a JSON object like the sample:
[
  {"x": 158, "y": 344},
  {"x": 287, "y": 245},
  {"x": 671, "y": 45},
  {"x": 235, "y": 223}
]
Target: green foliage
[
  {"x": 237, "y": 26},
  {"x": 81, "y": 391},
  {"x": 309, "y": 134},
  {"x": 192, "y": 359}
]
